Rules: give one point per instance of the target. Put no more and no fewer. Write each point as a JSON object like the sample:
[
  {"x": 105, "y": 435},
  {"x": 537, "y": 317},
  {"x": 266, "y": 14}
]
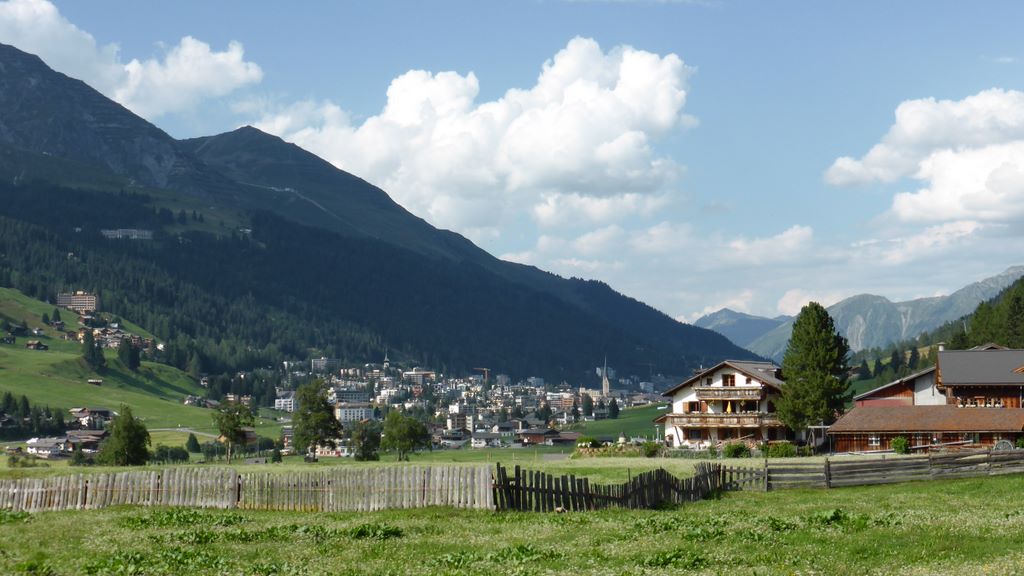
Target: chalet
[
  {"x": 536, "y": 436},
  {"x": 487, "y": 440},
  {"x": 970, "y": 397},
  {"x": 92, "y": 417},
  {"x": 36, "y": 345},
  {"x": 46, "y": 447},
  {"x": 733, "y": 400}
]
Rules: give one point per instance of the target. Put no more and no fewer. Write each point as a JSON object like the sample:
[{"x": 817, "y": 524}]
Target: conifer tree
[
  {"x": 814, "y": 368},
  {"x": 313, "y": 422},
  {"x": 128, "y": 442}
]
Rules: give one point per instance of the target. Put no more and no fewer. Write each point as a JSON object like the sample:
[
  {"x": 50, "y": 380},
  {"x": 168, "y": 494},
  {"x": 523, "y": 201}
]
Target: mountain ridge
[{"x": 78, "y": 139}]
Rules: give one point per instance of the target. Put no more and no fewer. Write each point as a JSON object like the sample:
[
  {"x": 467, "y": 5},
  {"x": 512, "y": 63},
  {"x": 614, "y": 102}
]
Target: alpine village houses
[
  {"x": 969, "y": 398},
  {"x": 734, "y": 400}
]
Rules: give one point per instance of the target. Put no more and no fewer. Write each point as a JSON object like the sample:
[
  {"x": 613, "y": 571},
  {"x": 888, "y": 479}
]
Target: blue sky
[{"x": 693, "y": 155}]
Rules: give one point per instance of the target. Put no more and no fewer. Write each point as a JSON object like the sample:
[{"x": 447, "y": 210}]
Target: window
[
  {"x": 749, "y": 380},
  {"x": 693, "y": 406},
  {"x": 874, "y": 441},
  {"x": 728, "y": 380},
  {"x": 707, "y": 381},
  {"x": 694, "y": 434}
]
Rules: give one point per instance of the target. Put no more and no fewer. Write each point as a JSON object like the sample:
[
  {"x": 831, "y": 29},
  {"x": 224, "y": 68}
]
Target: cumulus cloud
[
  {"x": 786, "y": 245},
  {"x": 188, "y": 73},
  {"x": 926, "y": 126},
  {"x": 929, "y": 242},
  {"x": 576, "y": 145}
]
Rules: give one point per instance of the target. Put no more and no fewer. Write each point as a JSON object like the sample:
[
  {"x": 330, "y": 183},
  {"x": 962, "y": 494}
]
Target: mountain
[
  {"x": 263, "y": 251},
  {"x": 870, "y": 321},
  {"x": 740, "y": 328}
]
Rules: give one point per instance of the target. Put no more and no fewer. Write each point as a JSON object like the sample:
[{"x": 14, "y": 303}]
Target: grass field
[
  {"x": 57, "y": 377},
  {"x": 971, "y": 526},
  {"x": 631, "y": 422}
]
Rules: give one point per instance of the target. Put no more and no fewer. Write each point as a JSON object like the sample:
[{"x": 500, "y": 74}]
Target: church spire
[{"x": 605, "y": 384}]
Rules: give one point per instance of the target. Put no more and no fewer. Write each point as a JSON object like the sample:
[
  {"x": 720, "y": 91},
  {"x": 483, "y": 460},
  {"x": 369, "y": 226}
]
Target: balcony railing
[
  {"x": 706, "y": 420},
  {"x": 729, "y": 392}
]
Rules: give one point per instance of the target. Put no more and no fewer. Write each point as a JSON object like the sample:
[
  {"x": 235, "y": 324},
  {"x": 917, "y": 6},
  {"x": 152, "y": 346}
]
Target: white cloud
[
  {"x": 787, "y": 245},
  {"x": 188, "y": 73},
  {"x": 929, "y": 242},
  {"x": 795, "y": 299},
  {"x": 578, "y": 143},
  {"x": 600, "y": 241},
  {"x": 926, "y": 126},
  {"x": 662, "y": 238}
]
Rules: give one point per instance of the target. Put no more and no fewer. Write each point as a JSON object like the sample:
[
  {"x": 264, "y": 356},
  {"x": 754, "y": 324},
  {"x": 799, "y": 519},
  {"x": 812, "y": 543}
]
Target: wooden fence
[
  {"x": 530, "y": 490},
  {"x": 836, "y": 473},
  {"x": 329, "y": 490}
]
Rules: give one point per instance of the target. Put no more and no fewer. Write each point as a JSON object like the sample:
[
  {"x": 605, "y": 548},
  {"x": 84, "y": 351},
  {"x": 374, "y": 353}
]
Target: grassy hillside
[
  {"x": 631, "y": 422},
  {"x": 57, "y": 377}
]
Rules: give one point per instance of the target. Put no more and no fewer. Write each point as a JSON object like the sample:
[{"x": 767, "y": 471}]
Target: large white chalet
[{"x": 734, "y": 400}]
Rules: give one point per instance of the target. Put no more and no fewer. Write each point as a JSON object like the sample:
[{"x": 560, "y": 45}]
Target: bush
[
  {"x": 588, "y": 442},
  {"x": 651, "y": 449},
  {"x": 1020, "y": 442},
  {"x": 712, "y": 451},
  {"x": 780, "y": 450},
  {"x": 901, "y": 445},
  {"x": 736, "y": 450}
]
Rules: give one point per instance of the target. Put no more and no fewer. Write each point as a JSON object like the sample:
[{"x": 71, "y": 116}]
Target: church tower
[{"x": 606, "y": 386}]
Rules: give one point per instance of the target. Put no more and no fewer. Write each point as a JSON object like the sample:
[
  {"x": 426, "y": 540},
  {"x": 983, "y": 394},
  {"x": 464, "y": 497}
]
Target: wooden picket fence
[
  {"x": 836, "y": 473},
  {"x": 328, "y": 490},
  {"x": 531, "y": 490}
]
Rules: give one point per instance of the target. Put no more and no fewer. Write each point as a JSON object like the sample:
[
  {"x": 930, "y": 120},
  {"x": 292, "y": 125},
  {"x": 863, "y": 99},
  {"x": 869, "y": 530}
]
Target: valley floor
[{"x": 971, "y": 526}]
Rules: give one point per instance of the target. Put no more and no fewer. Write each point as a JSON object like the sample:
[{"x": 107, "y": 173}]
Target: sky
[{"x": 692, "y": 154}]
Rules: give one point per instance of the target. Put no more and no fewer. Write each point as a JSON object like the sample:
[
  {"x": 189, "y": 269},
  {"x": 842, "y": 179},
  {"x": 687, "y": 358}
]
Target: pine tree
[
  {"x": 1015, "y": 321},
  {"x": 45, "y": 319},
  {"x": 588, "y": 405},
  {"x": 915, "y": 359},
  {"x": 55, "y": 315},
  {"x": 814, "y": 368},
  {"x": 613, "y": 409},
  {"x": 192, "y": 444},
  {"x": 128, "y": 442},
  {"x": 864, "y": 373},
  {"x": 91, "y": 351}
]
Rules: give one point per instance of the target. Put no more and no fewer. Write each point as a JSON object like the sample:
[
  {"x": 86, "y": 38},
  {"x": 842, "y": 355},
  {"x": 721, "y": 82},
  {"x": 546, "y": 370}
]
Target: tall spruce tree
[
  {"x": 814, "y": 368},
  {"x": 128, "y": 442}
]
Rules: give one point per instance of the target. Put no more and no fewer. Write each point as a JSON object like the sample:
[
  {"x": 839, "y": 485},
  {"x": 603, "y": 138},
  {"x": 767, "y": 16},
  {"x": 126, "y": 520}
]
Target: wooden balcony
[
  {"x": 705, "y": 420},
  {"x": 729, "y": 392}
]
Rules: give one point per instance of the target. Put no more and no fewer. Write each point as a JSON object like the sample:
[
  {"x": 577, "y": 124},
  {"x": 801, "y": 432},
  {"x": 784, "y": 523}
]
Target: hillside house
[
  {"x": 733, "y": 400},
  {"x": 970, "y": 397},
  {"x": 36, "y": 345}
]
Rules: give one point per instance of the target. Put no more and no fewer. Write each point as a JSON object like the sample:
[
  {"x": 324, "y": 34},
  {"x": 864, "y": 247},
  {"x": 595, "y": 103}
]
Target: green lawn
[
  {"x": 637, "y": 421},
  {"x": 954, "y": 527}
]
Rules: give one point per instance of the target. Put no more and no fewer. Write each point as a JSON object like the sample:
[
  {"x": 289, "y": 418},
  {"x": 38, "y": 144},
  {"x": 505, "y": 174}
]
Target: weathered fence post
[{"x": 828, "y": 474}]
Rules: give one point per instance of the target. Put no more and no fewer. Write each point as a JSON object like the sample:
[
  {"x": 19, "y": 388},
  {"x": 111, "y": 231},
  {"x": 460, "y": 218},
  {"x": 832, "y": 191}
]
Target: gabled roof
[
  {"x": 907, "y": 378},
  {"x": 944, "y": 418},
  {"x": 981, "y": 367},
  {"x": 763, "y": 371}
]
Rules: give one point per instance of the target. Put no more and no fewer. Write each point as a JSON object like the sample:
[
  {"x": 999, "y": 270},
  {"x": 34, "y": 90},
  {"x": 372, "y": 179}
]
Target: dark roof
[
  {"x": 981, "y": 367},
  {"x": 763, "y": 371},
  {"x": 907, "y": 378},
  {"x": 945, "y": 418}
]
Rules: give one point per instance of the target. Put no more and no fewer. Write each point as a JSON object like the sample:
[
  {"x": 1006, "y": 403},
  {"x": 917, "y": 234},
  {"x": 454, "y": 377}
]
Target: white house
[{"x": 734, "y": 400}]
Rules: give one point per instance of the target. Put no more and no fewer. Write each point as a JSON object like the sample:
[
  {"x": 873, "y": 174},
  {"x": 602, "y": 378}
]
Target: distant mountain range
[
  {"x": 262, "y": 251},
  {"x": 866, "y": 320},
  {"x": 742, "y": 329}
]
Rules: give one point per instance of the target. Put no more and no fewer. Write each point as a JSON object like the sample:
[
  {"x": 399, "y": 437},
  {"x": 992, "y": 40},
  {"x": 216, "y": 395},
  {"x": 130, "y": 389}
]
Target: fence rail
[
  {"x": 477, "y": 487},
  {"x": 840, "y": 473},
  {"x": 531, "y": 490},
  {"x": 334, "y": 490}
]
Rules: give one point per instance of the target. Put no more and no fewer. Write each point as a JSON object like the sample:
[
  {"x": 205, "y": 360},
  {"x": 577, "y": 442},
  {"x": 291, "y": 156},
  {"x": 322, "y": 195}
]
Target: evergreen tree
[
  {"x": 575, "y": 411},
  {"x": 55, "y": 315},
  {"x": 814, "y": 368},
  {"x": 128, "y": 442},
  {"x": 91, "y": 351},
  {"x": 864, "y": 373},
  {"x": 45, "y": 319},
  {"x": 313, "y": 422},
  {"x": 588, "y": 405},
  {"x": 1015, "y": 320},
  {"x": 613, "y": 409},
  {"x": 896, "y": 360},
  {"x": 192, "y": 444},
  {"x": 915, "y": 359}
]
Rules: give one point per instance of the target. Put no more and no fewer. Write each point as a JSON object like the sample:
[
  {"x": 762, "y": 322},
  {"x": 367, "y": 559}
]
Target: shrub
[
  {"x": 588, "y": 442},
  {"x": 1020, "y": 442},
  {"x": 736, "y": 450},
  {"x": 651, "y": 449},
  {"x": 780, "y": 450},
  {"x": 901, "y": 445}
]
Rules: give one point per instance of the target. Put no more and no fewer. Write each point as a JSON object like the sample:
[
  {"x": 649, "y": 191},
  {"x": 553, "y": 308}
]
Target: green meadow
[{"x": 973, "y": 526}]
